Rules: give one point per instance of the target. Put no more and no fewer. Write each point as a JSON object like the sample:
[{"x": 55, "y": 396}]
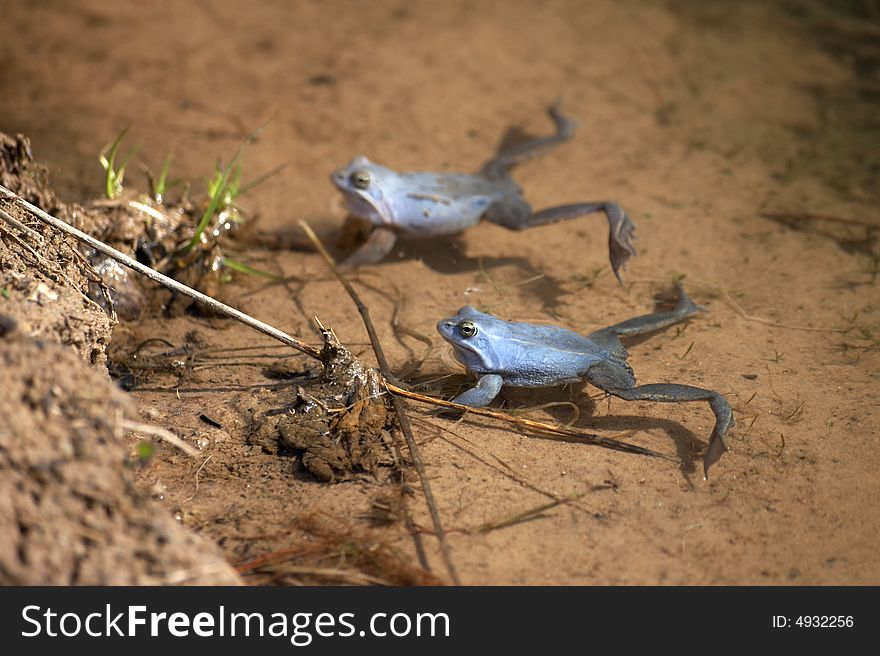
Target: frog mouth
[
  {"x": 363, "y": 207},
  {"x": 446, "y": 328},
  {"x": 362, "y": 204}
]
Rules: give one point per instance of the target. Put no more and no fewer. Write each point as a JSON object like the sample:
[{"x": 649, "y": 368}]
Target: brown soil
[
  {"x": 696, "y": 117},
  {"x": 68, "y": 508}
]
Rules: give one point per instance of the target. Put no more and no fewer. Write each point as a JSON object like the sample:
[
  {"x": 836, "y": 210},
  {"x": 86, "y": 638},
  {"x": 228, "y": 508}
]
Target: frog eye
[
  {"x": 467, "y": 329},
  {"x": 361, "y": 179}
]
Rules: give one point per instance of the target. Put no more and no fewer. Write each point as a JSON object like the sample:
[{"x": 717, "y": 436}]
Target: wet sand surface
[{"x": 698, "y": 118}]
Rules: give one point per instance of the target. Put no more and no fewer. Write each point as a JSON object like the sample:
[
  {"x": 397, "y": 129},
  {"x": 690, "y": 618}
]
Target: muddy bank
[
  {"x": 42, "y": 273},
  {"x": 69, "y": 510}
]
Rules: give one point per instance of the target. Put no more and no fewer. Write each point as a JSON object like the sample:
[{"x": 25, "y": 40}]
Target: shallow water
[{"x": 695, "y": 117}]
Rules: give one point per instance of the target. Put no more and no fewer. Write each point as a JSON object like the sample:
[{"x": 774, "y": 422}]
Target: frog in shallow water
[
  {"x": 426, "y": 204},
  {"x": 502, "y": 353}
]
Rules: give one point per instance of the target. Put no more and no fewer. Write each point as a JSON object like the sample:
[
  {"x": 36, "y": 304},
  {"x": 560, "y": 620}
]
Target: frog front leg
[
  {"x": 483, "y": 393},
  {"x": 379, "y": 243},
  {"x": 621, "y": 227}
]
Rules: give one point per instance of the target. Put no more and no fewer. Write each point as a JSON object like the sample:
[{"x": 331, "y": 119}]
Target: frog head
[
  {"x": 366, "y": 187},
  {"x": 475, "y": 337}
]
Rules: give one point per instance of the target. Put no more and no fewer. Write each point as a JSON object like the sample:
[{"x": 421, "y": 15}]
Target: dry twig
[
  {"x": 541, "y": 427},
  {"x": 165, "y": 435},
  {"x": 525, "y": 515},
  {"x": 15, "y": 223},
  {"x": 405, "y": 426},
  {"x": 198, "y": 471},
  {"x": 807, "y": 216}
]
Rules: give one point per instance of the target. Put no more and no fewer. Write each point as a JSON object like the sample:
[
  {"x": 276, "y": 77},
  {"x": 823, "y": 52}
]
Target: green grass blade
[
  {"x": 107, "y": 158},
  {"x": 221, "y": 189},
  {"x": 120, "y": 172},
  {"x": 162, "y": 183},
  {"x": 214, "y": 204},
  {"x": 244, "y": 268},
  {"x": 261, "y": 179}
]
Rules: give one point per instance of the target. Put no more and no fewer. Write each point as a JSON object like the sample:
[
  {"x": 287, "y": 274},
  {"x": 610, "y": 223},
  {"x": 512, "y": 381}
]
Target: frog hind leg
[
  {"x": 647, "y": 323},
  {"x": 497, "y": 168},
  {"x": 620, "y": 233},
  {"x": 482, "y": 393},
  {"x": 615, "y": 377},
  {"x": 515, "y": 214},
  {"x": 379, "y": 243},
  {"x": 675, "y": 393}
]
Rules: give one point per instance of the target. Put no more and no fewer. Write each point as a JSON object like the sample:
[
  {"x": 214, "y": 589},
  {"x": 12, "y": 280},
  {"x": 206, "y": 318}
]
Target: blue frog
[
  {"x": 502, "y": 353},
  {"x": 427, "y": 204}
]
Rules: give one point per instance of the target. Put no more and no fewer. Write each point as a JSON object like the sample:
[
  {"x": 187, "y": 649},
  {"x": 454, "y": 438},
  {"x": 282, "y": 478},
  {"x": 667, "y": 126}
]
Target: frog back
[
  {"x": 535, "y": 355},
  {"x": 426, "y": 203}
]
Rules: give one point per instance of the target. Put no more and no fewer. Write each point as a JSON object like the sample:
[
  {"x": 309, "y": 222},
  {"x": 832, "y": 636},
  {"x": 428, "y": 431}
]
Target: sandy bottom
[{"x": 697, "y": 119}]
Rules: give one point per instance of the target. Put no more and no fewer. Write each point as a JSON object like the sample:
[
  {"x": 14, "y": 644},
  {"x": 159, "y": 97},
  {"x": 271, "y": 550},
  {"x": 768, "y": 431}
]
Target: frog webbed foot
[
  {"x": 724, "y": 421},
  {"x": 620, "y": 238},
  {"x": 620, "y": 226},
  {"x": 379, "y": 243}
]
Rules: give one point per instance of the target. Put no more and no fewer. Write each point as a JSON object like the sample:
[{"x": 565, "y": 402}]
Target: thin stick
[
  {"x": 341, "y": 575},
  {"x": 198, "y": 471},
  {"x": 774, "y": 324},
  {"x": 53, "y": 267},
  {"x": 591, "y": 438},
  {"x": 524, "y": 515},
  {"x": 405, "y": 426},
  {"x": 806, "y": 216},
  {"x": 146, "y": 209},
  {"x": 164, "y": 280},
  {"x": 166, "y": 435},
  {"x": 21, "y": 226},
  {"x": 275, "y": 556}
]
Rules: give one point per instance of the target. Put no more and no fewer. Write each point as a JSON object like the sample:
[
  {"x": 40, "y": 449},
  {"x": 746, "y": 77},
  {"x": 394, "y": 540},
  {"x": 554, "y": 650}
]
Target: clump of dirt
[
  {"x": 158, "y": 234},
  {"x": 341, "y": 428},
  {"x": 69, "y": 511},
  {"x": 19, "y": 173},
  {"x": 181, "y": 238},
  {"x": 338, "y": 446}
]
